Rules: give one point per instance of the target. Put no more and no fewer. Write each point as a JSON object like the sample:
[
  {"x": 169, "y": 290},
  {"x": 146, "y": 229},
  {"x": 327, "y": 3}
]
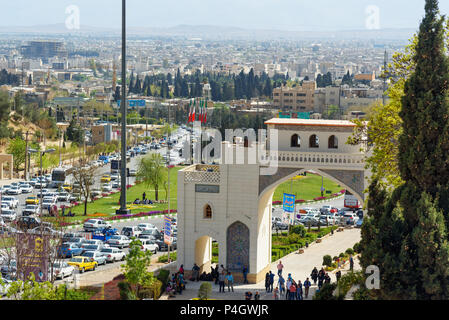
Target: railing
[
  {"x": 203, "y": 173},
  {"x": 320, "y": 159}
]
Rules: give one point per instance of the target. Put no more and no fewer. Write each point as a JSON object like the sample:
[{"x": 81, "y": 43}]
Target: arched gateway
[{"x": 231, "y": 202}]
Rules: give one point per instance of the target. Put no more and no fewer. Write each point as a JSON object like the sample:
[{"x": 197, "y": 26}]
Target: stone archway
[{"x": 237, "y": 247}]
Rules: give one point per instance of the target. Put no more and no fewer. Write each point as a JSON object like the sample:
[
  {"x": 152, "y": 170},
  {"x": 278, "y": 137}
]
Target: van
[{"x": 131, "y": 231}]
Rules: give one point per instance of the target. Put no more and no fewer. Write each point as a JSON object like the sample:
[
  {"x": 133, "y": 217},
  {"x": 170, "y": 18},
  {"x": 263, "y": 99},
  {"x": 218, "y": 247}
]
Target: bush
[
  {"x": 164, "y": 258},
  {"x": 357, "y": 247},
  {"x": 341, "y": 255},
  {"x": 125, "y": 291},
  {"x": 299, "y": 230},
  {"x": 349, "y": 251},
  {"x": 327, "y": 292},
  {"x": 156, "y": 289},
  {"x": 205, "y": 291},
  {"x": 163, "y": 277},
  {"x": 327, "y": 260}
]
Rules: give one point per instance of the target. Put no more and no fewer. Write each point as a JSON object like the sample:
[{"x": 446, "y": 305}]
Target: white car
[
  {"x": 145, "y": 226},
  {"x": 14, "y": 190},
  {"x": 30, "y": 209},
  {"x": 5, "y": 188},
  {"x": 92, "y": 241},
  {"x": 119, "y": 241},
  {"x": 26, "y": 188},
  {"x": 106, "y": 187},
  {"x": 131, "y": 231},
  {"x": 113, "y": 254},
  {"x": 48, "y": 202},
  {"x": 46, "y": 231},
  {"x": 149, "y": 245},
  {"x": 63, "y": 196},
  {"x": 8, "y": 215},
  {"x": 61, "y": 270},
  {"x": 93, "y": 224},
  {"x": 11, "y": 201}
]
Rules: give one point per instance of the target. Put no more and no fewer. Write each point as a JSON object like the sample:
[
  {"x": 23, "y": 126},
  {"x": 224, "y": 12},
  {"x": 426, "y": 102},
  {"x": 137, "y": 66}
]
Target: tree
[
  {"x": 85, "y": 177},
  {"x": 136, "y": 267},
  {"x": 17, "y": 147},
  {"x": 152, "y": 172}
]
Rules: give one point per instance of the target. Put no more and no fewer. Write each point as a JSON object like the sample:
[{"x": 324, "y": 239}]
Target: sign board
[
  {"x": 134, "y": 103},
  {"x": 167, "y": 230},
  {"x": 294, "y": 115},
  {"x": 33, "y": 256},
  {"x": 289, "y": 202},
  {"x": 207, "y": 188}
]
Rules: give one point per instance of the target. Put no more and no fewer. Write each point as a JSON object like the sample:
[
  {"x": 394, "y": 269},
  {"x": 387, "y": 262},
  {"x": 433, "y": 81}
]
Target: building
[
  {"x": 44, "y": 49},
  {"x": 101, "y": 133},
  {"x": 299, "y": 98},
  {"x": 365, "y": 76}
]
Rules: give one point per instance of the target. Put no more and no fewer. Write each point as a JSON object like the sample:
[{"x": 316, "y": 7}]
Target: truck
[
  {"x": 104, "y": 234},
  {"x": 58, "y": 177},
  {"x": 350, "y": 201}
]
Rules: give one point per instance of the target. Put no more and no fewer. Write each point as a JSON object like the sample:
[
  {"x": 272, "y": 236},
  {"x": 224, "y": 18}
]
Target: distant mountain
[{"x": 211, "y": 32}]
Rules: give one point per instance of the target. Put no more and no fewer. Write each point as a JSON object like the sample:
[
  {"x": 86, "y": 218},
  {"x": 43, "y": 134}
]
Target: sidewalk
[{"x": 299, "y": 265}]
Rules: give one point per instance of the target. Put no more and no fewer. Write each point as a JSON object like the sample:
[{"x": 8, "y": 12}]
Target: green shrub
[
  {"x": 164, "y": 258},
  {"x": 163, "y": 277},
  {"x": 349, "y": 251},
  {"x": 335, "y": 258},
  {"x": 357, "y": 247},
  {"x": 125, "y": 291},
  {"x": 327, "y": 292},
  {"x": 205, "y": 290},
  {"x": 341, "y": 255},
  {"x": 299, "y": 230},
  {"x": 156, "y": 289},
  {"x": 327, "y": 260}
]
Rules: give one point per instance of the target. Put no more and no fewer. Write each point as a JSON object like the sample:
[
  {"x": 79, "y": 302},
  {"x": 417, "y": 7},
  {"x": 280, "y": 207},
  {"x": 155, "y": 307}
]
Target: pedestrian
[
  {"x": 281, "y": 283},
  {"x": 338, "y": 262},
  {"x": 221, "y": 269},
  {"x": 287, "y": 288},
  {"x": 248, "y": 295},
  {"x": 245, "y": 275},
  {"x": 267, "y": 282},
  {"x": 307, "y": 285},
  {"x": 292, "y": 289},
  {"x": 327, "y": 279},
  {"x": 338, "y": 275},
  {"x": 271, "y": 281},
  {"x": 351, "y": 263},
  {"x": 314, "y": 275},
  {"x": 276, "y": 293},
  {"x": 299, "y": 290},
  {"x": 217, "y": 274},
  {"x": 181, "y": 282},
  {"x": 280, "y": 267},
  {"x": 144, "y": 196},
  {"x": 181, "y": 269},
  {"x": 230, "y": 281},
  {"x": 62, "y": 210},
  {"x": 195, "y": 272},
  {"x": 221, "y": 282},
  {"x": 257, "y": 296},
  {"x": 320, "y": 279}
]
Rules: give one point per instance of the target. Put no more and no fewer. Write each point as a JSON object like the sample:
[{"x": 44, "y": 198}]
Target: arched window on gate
[
  {"x": 295, "y": 141},
  {"x": 333, "y": 142},
  {"x": 314, "y": 142},
  {"x": 207, "y": 213}
]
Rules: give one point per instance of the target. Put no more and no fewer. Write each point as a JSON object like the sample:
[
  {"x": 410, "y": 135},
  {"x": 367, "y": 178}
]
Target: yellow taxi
[
  {"x": 67, "y": 187},
  {"x": 106, "y": 178},
  {"x": 83, "y": 263},
  {"x": 32, "y": 200}
]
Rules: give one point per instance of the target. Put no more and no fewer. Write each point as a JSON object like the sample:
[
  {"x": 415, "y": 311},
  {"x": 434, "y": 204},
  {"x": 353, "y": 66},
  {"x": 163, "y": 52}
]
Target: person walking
[
  {"x": 292, "y": 288},
  {"x": 351, "y": 263},
  {"x": 245, "y": 275},
  {"x": 287, "y": 288},
  {"x": 221, "y": 282},
  {"x": 338, "y": 275},
  {"x": 327, "y": 279},
  {"x": 299, "y": 290},
  {"x": 307, "y": 285},
  {"x": 320, "y": 279},
  {"x": 217, "y": 274},
  {"x": 280, "y": 267},
  {"x": 314, "y": 275},
  {"x": 281, "y": 284},
  {"x": 267, "y": 282},
  {"x": 271, "y": 281},
  {"x": 230, "y": 281}
]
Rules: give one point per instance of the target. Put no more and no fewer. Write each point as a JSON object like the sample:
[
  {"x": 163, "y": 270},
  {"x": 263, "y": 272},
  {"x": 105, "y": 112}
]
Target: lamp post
[
  {"x": 41, "y": 153},
  {"x": 123, "y": 209}
]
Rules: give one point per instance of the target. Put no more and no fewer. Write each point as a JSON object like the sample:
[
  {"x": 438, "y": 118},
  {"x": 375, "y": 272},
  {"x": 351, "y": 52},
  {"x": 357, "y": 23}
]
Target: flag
[
  {"x": 193, "y": 113},
  {"x": 201, "y": 111},
  {"x": 205, "y": 111},
  {"x": 190, "y": 112}
]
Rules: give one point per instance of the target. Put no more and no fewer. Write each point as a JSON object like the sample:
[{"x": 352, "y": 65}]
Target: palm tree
[{"x": 151, "y": 172}]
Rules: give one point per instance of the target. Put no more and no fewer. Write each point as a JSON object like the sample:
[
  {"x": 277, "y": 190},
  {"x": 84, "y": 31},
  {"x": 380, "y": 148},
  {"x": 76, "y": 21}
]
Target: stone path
[{"x": 299, "y": 265}]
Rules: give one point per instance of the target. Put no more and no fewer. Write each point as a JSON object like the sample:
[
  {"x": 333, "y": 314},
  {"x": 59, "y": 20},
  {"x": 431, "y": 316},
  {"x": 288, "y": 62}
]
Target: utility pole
[
  {"x": 385, "y": 78},
  {"x": 26, "y": 155}
]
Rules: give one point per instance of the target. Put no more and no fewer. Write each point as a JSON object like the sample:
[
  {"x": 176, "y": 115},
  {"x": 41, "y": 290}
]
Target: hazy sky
[{"x": 251, "y": 14}]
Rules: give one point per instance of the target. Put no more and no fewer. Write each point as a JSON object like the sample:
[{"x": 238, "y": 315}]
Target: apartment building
[{"x": 299, "y": 98}]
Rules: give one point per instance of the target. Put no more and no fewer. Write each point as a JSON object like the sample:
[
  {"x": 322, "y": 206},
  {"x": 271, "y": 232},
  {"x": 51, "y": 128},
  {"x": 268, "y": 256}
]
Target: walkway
[{"x": 299, "y": 265}]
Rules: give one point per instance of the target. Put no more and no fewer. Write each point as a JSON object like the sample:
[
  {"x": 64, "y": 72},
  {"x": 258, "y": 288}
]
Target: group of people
[
  {"x": 177, "y": 283},
  {"x": 320, "y": 276}
]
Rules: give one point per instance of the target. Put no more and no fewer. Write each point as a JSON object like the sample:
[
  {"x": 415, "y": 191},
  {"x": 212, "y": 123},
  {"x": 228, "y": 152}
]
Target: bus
[
  {"x": 351, "y": 201},
  {"x": 58, "y": 177}
]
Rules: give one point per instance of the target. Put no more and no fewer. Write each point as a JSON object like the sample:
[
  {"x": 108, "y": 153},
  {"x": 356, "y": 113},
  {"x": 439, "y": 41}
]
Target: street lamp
[{"x": 41, "y": 153}]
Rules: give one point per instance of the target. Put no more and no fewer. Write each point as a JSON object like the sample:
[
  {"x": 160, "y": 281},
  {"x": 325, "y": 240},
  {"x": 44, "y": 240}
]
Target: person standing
[
  {"x": 281, "y": 284},
  {"x": 267, "y": 282},
  {"x": 299, "y": 290},
  {"x": 221, "y": 282},
  {"x": 245, "y": 275},
  {"x": 230, "y": 280},
  {"x": 276, "y": 294},
  {"x": 338, "y": 275},
  {"x": 327, "y": 279},
  {"x": 257, "y": 296},
  {"x": 314, "y": 275},
  {"x": 292, "y": 290},
  {"x": 280, "y": 267},
  {"x": 320, "y": 279},
  {"x": 351, "y": 263},
  {"x": 287, "y": 288},
  {"x": 195, "y": 273},
  {"x": 217, "y": 274},
  {"x": 144, "y": 196},
  {"x": 271, "y": 281},
  {"x": 307, "y": 285}
]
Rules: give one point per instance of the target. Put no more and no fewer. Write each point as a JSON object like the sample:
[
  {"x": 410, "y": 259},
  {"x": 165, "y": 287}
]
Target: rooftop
[{"x": 311, "y": 122}]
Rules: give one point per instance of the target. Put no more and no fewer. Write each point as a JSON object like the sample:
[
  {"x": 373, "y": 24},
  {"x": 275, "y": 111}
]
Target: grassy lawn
[
  {"x": 108, "y": 205},
  {"x": 306, "y": 187}
]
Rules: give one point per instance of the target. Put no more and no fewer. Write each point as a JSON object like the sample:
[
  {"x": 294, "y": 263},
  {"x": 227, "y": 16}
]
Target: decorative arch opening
[
  {"x": 207, "y": 212},
  {"x": 237, "y": 247},
  {"x": 314, "y": 141},
  {"x": 333, "y": 142},
  {"x": 295, "y": 141}
]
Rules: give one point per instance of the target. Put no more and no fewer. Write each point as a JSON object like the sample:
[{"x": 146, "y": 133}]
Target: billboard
[
  {"x": 32, "y": 256},
  {"x": 289, "y": 202},
  {"x": 134, "y": 103},
  {"x": 167, "y": 230}
]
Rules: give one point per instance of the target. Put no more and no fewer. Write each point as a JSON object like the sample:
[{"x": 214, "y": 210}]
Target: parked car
[
  {"x": 61, "y": 269},
  {"x": 106, "y": 178},
  {"x": 29, "y": 222},
  {"x": 349, "y": 218},
  {"x": 325, "y": 209},
  {"x": 106, "y": 187},
  {"x": 14, "y": 190},
  {"x": 164, "y": 247},
  {"x": 145, "y": 226},
  {"x": 93, "y": 241},
  {"x": 83, "y": 263},
  {"x": 95, "y": 256},
  {"x": 8, "y": 215},
  {"x": 119, "y": 241},
  {"x": 69, "y": 249},
  {"x": 149, "y": 245},
  {"x": 359, "y": 223},
  {"x": 132, "y": 172},
  {"x": 30, "y": 209},
  {"x": 91, "y": 247},
  {"x": 63, "y": 196},
  {"x": 67, "y": 187},
  {"x": 92, "y": 224},
  {"x": 48, "y": 203},
  {"x": 153, "y": 232},
  {"x": 131, "y": 231},
  {"x": 26, "y": 188},
  {"x": 45, "y": 230},
  {"x": 32, "y": 200},
  {"x": 13, "y": 202},
  {"x": 113, "y": 254},
  {"x": 70, "y": 235},
  {"x": 281, "y": 225},
  {"x": 9, "y": 268}
]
